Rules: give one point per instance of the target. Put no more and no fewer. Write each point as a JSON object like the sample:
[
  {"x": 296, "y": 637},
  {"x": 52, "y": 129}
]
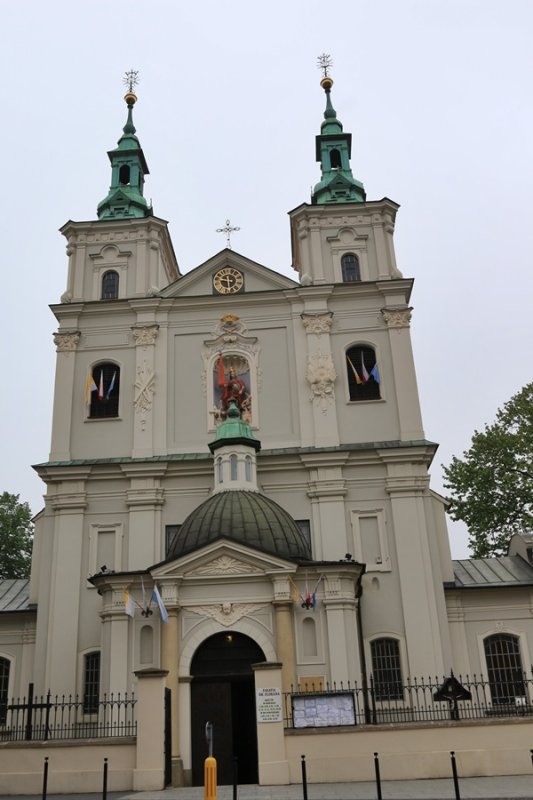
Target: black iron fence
[
  {"x": 432, "y": 700},
  {"x": 48, "y": 717}
]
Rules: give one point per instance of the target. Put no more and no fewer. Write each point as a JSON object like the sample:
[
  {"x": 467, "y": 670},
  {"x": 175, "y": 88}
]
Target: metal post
[
  {"x": 29, "y": 716},
  {"x": 531, "y": 751},
  {"x": 45, "y": 778},
  {"x": 304, "y": 778},
  {"x": 378, "y": 776},
  {"x": 235, "y": 776},
  {"x": 455, "y": 778},
  {"x": 104, "y": 784}
]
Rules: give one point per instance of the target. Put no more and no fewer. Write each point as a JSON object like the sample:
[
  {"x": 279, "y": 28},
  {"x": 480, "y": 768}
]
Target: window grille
[
  {"x": 386, "y": 669},
  {"x": 91, "y": 683},
  {"x": 350, "y": 268},
  {"x": 110, "y": 285},
  {"x": 504, "y": 668}
]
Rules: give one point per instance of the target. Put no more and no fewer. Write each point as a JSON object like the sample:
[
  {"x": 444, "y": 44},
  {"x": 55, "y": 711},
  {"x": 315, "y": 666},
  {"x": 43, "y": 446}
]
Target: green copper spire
[
  {"x": 128, "y": 168},
  {"x": 333, "y": 150},
  {"x": 234, "y": 430}
]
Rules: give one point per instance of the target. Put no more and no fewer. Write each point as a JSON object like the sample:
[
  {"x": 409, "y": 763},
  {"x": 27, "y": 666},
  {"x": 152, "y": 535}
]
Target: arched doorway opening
[{"x": 222, "y": 692}]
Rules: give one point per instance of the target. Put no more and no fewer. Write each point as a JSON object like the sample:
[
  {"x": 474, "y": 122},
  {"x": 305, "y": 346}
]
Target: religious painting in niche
[{"x": 231, "y": 381}]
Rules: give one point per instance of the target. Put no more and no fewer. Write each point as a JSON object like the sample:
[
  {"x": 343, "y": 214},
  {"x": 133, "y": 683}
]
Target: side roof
[
  {"x": 483, "y": 573},
  {"x": 14, "y": 594}
]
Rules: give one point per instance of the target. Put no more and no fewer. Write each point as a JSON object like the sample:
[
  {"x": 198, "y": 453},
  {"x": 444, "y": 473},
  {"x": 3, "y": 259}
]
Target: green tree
[
  {"x": 492, "y": 484},
  {"x": 16, "y": 535}
]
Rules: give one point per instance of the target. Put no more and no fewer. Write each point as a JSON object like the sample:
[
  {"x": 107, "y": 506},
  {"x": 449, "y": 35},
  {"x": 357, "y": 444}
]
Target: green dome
[{"x": 249, "y": 518}]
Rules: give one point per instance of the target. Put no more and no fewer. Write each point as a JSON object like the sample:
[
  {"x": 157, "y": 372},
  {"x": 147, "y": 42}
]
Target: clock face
[{"x": 228, "y": 281}]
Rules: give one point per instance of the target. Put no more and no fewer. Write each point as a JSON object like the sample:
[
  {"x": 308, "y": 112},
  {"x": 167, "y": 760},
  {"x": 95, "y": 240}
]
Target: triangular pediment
[
  {"x": 202, "y": 280},
  {"x": 222, "y": 560}
]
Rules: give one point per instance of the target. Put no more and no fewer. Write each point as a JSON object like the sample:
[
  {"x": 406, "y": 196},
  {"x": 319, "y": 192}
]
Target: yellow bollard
[{"x": 210, "y": 778}]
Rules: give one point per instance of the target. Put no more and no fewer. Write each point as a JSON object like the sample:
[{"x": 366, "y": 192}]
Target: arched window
[
  {"x": 350, "y": 268},
  {"x": 91, "y": 682},
  {"x": 233, "y": 467},
  {"x": 102, "y": 393},
  {"x": 309, "y": 637},
  {"x": 110, "y": 285},
  {"x": 147, "y": 644},
  {"x": 363, "y": 373},
  {"x": 335, "y": 159},
  {"x": 124, "y": 175},
  {"x": 386, "y": 669},
  {"x": 4, "y": 688},
  {"x": 504, "y": 668},
  {"x": 248, "y": 468}
]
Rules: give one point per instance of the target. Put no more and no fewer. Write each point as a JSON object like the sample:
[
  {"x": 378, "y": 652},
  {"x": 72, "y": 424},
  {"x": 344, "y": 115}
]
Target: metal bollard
[
  {"x": 304, "y": 778},
  {"x": 454, "y": 773},
  {"x": 45, "y": 777},
  {"x": 104, "y": 783},
  {"x": 531, "y": 752},
  {"x": 210, "y": 778},
  {"x": 378, "y": 776}
]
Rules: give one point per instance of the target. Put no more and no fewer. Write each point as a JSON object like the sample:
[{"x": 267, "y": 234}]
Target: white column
[
  {"x": 67, "y": 401},
  {"x": 397, "y": 320}
]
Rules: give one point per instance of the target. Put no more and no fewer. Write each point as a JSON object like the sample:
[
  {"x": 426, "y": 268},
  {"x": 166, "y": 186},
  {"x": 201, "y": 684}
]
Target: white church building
[{"x": 251, "y": 447}]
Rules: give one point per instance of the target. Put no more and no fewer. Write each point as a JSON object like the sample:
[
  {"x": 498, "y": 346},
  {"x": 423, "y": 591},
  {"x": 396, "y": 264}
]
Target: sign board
[
  {"x": 323, "y": 710},
  {"x": 268, "y": 704}
]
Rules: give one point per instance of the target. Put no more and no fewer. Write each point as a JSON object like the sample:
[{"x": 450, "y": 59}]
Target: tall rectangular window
[
  {"x": 91, "y": 683},
  {"x": 386, "y": 669}
]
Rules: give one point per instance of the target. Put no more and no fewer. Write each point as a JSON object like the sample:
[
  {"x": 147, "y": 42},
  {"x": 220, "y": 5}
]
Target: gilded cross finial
[
  {"x": 228, "y": 229},
  {"x": 324, "y": 62},
  {"x": 131, "y": 79}
]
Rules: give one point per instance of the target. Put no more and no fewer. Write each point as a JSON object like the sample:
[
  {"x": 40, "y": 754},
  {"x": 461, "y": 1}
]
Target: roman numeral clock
[{"x": 228, "y": 280}]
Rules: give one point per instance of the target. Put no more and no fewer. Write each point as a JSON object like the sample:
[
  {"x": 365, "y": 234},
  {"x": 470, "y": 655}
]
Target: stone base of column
[{"x": 179, "y": 775}]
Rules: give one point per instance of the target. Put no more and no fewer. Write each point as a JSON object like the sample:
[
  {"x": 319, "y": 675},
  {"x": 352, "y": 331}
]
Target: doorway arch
[{"x": 222, "y": 692}]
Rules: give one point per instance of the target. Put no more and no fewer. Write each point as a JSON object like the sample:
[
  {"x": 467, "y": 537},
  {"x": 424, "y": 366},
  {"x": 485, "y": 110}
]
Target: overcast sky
[{"x": 436, "y": 94}]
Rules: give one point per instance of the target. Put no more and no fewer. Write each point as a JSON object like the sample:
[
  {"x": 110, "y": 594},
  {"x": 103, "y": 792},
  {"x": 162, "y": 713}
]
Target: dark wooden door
[
  {"x": 211, "y": 702},
  {"x": 223, "y": 692}
]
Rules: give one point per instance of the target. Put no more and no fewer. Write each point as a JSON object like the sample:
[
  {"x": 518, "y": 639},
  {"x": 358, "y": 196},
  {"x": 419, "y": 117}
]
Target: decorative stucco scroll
[
  {"x": 144, "y": 389},
  {"x": 317, "y": 323},
  {"x": 66, "y": 342},
  {"x": 225, "y": 565},
  {"x": 146, "y": 334},
  {"x": 397, "y": 317},
  {"x": 226, "y": 613},
  {"x": 321, "y": 376}
]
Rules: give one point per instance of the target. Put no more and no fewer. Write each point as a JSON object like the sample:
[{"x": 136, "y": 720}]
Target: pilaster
[
  {"x": 169, "y": 662},
  {"x": 407, "y": 484},
  {"x": 145, "y": 386},
  {"x": 66, "y": 342},
  {"x": 285, "y": 645},
  {"x": 397, "y": 320},
  {"x": 341, "y": 618},
  {"x": 321, "y": 373},
  {"x": 144, "y": 499}
]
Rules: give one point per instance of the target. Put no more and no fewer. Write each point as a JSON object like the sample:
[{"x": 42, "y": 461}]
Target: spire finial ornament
[
  {"x": 130, "y": 79},
  {"x": 228, "y": 229},
  {"x": 325, "y": 62}
]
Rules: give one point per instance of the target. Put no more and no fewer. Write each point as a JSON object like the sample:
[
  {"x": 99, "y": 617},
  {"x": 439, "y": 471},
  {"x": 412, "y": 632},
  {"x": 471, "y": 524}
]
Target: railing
[
  {"x": 67, "y": 717},
  {"x": 413, "y": 701}
]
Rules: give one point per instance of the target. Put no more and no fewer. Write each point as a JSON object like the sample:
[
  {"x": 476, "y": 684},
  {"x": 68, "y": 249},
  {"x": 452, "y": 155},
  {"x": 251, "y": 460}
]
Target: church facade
[{"x": 238, "y": 474}]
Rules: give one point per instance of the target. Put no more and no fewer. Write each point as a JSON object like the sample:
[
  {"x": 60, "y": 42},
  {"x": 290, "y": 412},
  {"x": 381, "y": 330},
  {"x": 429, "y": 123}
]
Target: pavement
[{"x": 498, "y": 788}]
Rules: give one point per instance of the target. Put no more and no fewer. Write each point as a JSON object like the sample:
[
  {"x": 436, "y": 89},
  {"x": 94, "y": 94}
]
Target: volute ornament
[
  {"x": 317, "y": 323},
  {"x": 147, "y": 334},
  {"x": 226, "y": 614},
  {"x": 67, "y": 342},
  {"x": 397, "y": 317}
]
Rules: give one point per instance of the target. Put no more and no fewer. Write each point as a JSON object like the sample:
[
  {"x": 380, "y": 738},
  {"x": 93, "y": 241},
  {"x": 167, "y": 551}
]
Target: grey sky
[{"x": 436, "y": 94}]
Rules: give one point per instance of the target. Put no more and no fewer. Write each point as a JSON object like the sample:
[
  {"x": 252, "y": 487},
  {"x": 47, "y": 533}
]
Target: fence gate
[{"x": 168, "y": 737}]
